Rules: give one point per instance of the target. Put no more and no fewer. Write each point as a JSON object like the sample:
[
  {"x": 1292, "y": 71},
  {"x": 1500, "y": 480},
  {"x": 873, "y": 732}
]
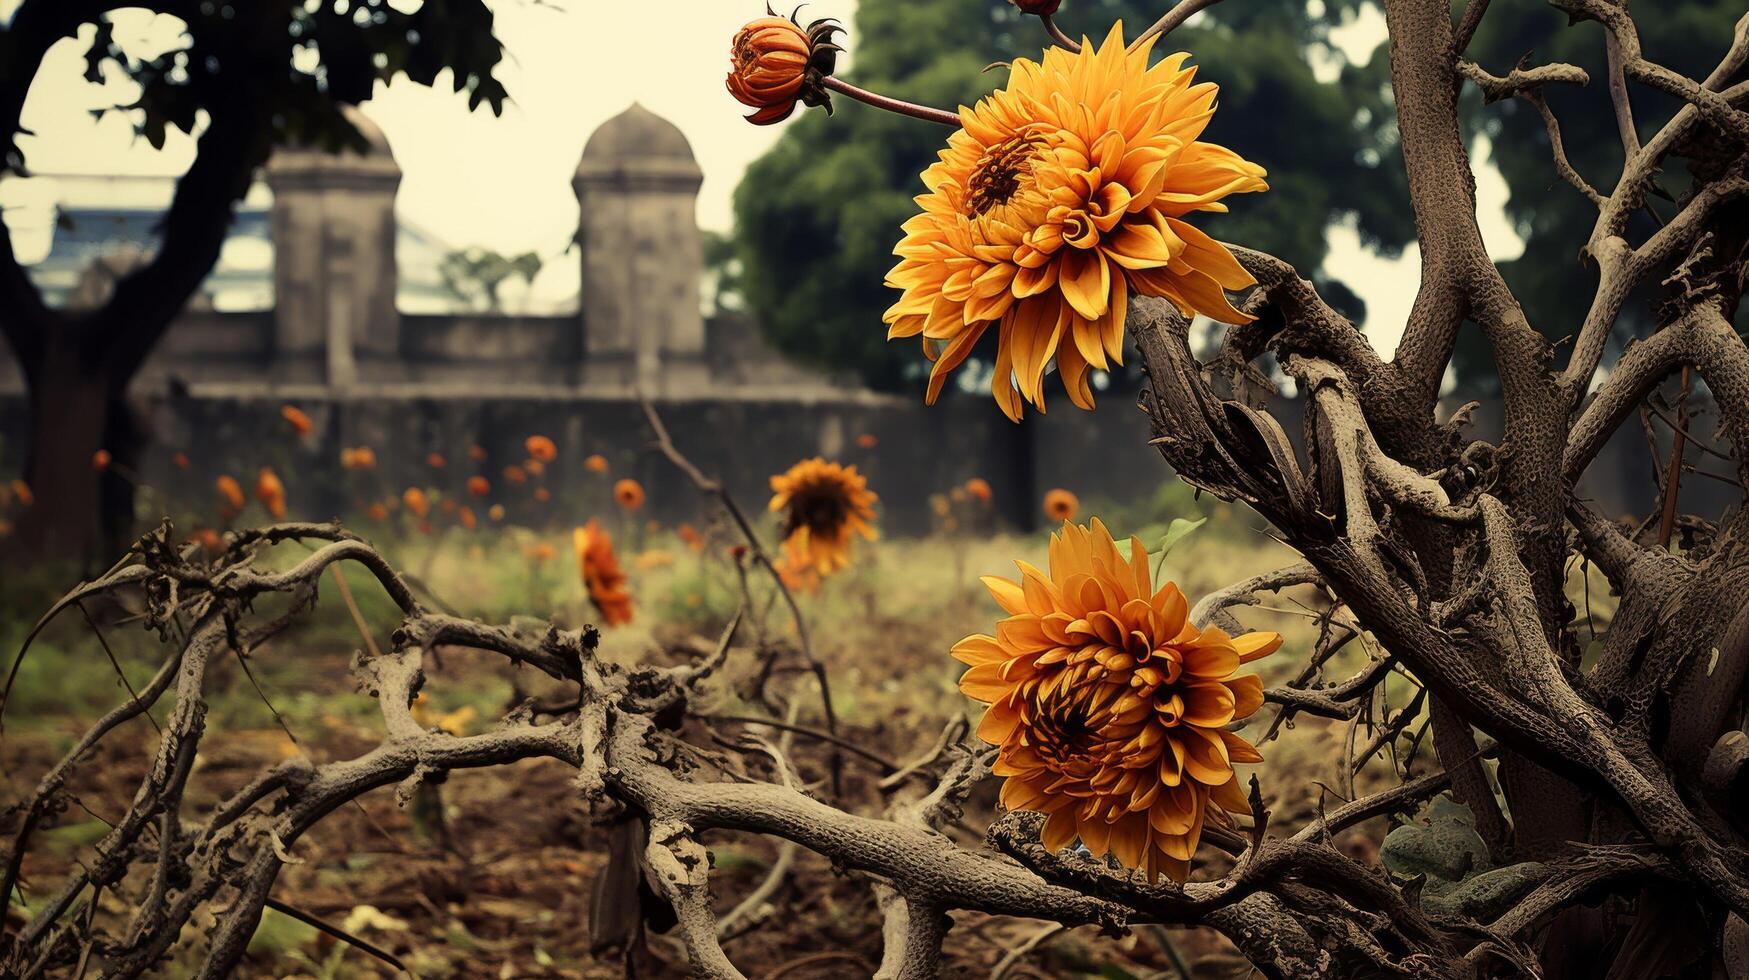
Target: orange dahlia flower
[
  {"x": 1058, "y": 197},
  {"x": 479, "y": 486},
  {"x": 271, "y": 492},
  {"x": 1061, "y": 505},
  {"x": 774, "y": 63},
  {"x": 601, "y": 574},
  {"x": 1110, "y": 707},
  {"x": 822, "y": 504},
  {"x": 295, "y": 417},
  {"x": 596, "y": 463},
  {"x": 416, "y": 502},
  {"x": 979, "y": 488},
  {"x": 230, "y": 491},
  {"x": 541, "y": 448},
  {"x": 629, "y": 494}
]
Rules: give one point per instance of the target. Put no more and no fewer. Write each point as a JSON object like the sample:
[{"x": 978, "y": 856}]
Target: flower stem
[
  {"x": 1169, "y": 21},
  {"x": 899, "y": 106},
  {"x": 1063, "y": 40}
]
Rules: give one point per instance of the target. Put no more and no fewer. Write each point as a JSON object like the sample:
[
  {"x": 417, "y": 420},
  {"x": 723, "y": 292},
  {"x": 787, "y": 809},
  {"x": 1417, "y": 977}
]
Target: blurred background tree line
[{"x": 816, "y": 217}]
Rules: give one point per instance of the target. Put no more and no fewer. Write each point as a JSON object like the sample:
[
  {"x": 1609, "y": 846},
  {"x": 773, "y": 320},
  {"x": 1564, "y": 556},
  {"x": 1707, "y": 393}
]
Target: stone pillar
[
  {"x": 637, "y": 187},
  {"x": 334, "y": 262}
]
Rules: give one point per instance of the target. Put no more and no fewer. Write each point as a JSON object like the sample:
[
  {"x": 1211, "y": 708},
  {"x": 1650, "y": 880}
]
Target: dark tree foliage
[
  {"x": 817, "y": 216},
  {"x": 258, "y": 74},
  {"x": 1688, "y": 36}
]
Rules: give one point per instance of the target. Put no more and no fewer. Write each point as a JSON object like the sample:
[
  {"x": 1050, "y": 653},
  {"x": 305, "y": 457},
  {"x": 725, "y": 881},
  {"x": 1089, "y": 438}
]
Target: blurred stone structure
[{"x": 335, "y": 343}]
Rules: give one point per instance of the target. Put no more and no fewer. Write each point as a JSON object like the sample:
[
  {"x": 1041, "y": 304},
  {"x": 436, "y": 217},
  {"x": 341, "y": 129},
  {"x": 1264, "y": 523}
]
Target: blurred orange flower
[
  {"x": 296, "y": 418},
  {"x": 358, "y": 458},
  {"x": 1110, "y": 707},
  {"x": 534, "y": 467},
  {"x": 542, "y": 494},
  {"x": 979, "y": 488},
  {"x": 21, "y": 493},
  {"x": 868, "y": 440},
  {"x": 479, "y": 486},
  {"x": 377, "y": 512},
  {"x": 601, "y": 574},
  {"x": 1061, "y": 505},
  {"x": 436, "y": 461},
  {"x": 596, "y": 463},
  {"x": 212, "y": 541},
  {"x": 100, "y": 460},
  {"x": 180, "y": 461},
  {"x": 416, "y": 502},
  {"x": 468, "y": 519},
  {"x": 515, "y": 474},
  {"x": 628, "y": 494},
  {"x": 822, "y": 505},
  {"x": 541, "y": 448},
  {"x": 690, "y": 537},
  {"x": 231, "y": 491},
  {"x": 448, "y": 506},
  {"x": 495, "y": 512},
  {"x": 477, "y": 453},
  {"x": 541, "y": 551},
  {"x": 271, "y": 492}
]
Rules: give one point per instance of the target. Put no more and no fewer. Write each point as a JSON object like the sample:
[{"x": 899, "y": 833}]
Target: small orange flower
[
  {"x": 774, "y": 63},
  {"x": 541, "y": 448},
  {"x": 542, "y": 494},
  {"x": 101, "y": 459},
  {"x": 515, "y": 474},
  {"x": 468, "y": 519},
  {"x": 495, "y": 512},
  {"x": 596, "y": 463},
  {"x": 416, "y": 502},
  {"x": 601, "y": 574},
  {"x": 210, "y": 540},
  {"x": 868, "y": 440},
  {"x": 541, "y": 551},
  {"x": 477, "y": 453},
  {"x": 1109, "y": 707},
  {"x": 271, "y": 492},
  {"x": 180, "y": 461},
  {"x": 231, "y": 492},
  {"x": 1061, "y": 505},
  {"x": 534, "y": 467},
  {"x": 377, "y": 512},
  {"x": 690, "y": 537},
  {"x": 628, "y": 494},
  {"x": 21, "y": 493},
  {"x": 822, "y": 505},
  {"x": 358, "y": 458},
  {"x": 479, "y": 486},
  {"x": 979, "y": 488},
  {"x": 295, "y": 417},
  {"x": 436, "y": 461}
]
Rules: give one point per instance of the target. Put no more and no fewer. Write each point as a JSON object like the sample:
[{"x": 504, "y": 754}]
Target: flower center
[
  {"x": 820, "y": 509},
  {"x": 1002, "y": 171}
]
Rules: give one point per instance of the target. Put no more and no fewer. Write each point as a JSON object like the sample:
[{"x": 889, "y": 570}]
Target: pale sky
[{"x": 504, "y": 183}]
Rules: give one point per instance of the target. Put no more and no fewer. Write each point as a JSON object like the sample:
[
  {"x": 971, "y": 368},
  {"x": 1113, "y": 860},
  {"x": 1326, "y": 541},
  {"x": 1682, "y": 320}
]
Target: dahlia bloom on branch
[
  {"x": 1110, "y": 707},
  {"x": 822, "y": 505},
  {"x": 1057, "y": 198}
]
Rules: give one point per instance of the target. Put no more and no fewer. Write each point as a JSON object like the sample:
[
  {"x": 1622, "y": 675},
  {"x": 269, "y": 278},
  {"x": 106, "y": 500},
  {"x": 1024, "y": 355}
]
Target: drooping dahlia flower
[
  {"x": 1110, "y": 708},
  {"x": 1058, "y": 197},
  {"x": 775, "y": 62},
  {"x": 822, "y": 505},
  {"x": 601, "y": 574}
]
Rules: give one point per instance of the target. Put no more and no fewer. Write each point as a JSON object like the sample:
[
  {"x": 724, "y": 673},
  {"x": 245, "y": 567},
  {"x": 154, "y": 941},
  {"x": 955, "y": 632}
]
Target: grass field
[{"x": 490, "y": 874}]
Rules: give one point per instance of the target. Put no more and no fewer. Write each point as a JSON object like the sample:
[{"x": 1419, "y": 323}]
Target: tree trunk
[{"x": 71, "y": 405}]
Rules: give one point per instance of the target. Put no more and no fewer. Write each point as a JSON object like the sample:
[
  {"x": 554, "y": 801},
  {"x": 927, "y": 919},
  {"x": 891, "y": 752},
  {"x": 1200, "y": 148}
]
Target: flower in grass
[
  {"x": 101, "y": 459},
  {"x": 1109, "y": 707},
  {"x": 271, "y": 492},
  {"x": 690, "y": 537},
  {"x": 479, "y": 486},
  {"x": 1061, "y": 505},
  {"x": 541, "y": 448},
  {"x": 979, "y": 488},
  {"x": 822, "y": 504},
  {"x": 596, "y": 463},
  {"x": 629, "y": 494},
  {"x": 467, "y": 518},
  {"x": 230, "y": 493},
  {"x": 377, "y": 511},
  {"x": 1060, "y": 196},
  {"x": 358, "y": 458},
  {"x": 416, "y": 502},
  {"x": 495, "y": 512},
  {"x": 602, "y": 578},
  {"x": 775, "y": 62},
  {"x": 541, "y": 551},
  {"x": 295, "y": 417}
]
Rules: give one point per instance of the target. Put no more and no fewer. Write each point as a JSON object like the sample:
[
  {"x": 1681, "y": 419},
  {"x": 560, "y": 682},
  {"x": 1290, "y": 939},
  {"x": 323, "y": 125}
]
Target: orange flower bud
[
  {"x": 377, "y": 512},
  {"x": 596, "y": 463},
  {"x": 479, "y": 486},
  {"x": 541, "y": 448},
  {"x": 1061, "y": 505},
  {"x": 231, "y": 491},
  {"x": 868, "y": 440},
  {"x": 628, "y": 494},
  {"x": 296, "y": 418},
  {"x": 774, "y": 63},
  {"x": 979, "y": 488},
  {"x": 100, "y": 460}
]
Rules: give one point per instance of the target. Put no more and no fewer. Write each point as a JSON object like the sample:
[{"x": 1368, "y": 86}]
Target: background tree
[
  {"x": 816, "y": 217},
  {"x": 476, "y": 275},
  {"x": 246, "y": 78}
]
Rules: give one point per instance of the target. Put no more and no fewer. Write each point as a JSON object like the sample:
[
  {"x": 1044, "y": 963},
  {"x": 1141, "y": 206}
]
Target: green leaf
[{"x": 1176, "y": 532}]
